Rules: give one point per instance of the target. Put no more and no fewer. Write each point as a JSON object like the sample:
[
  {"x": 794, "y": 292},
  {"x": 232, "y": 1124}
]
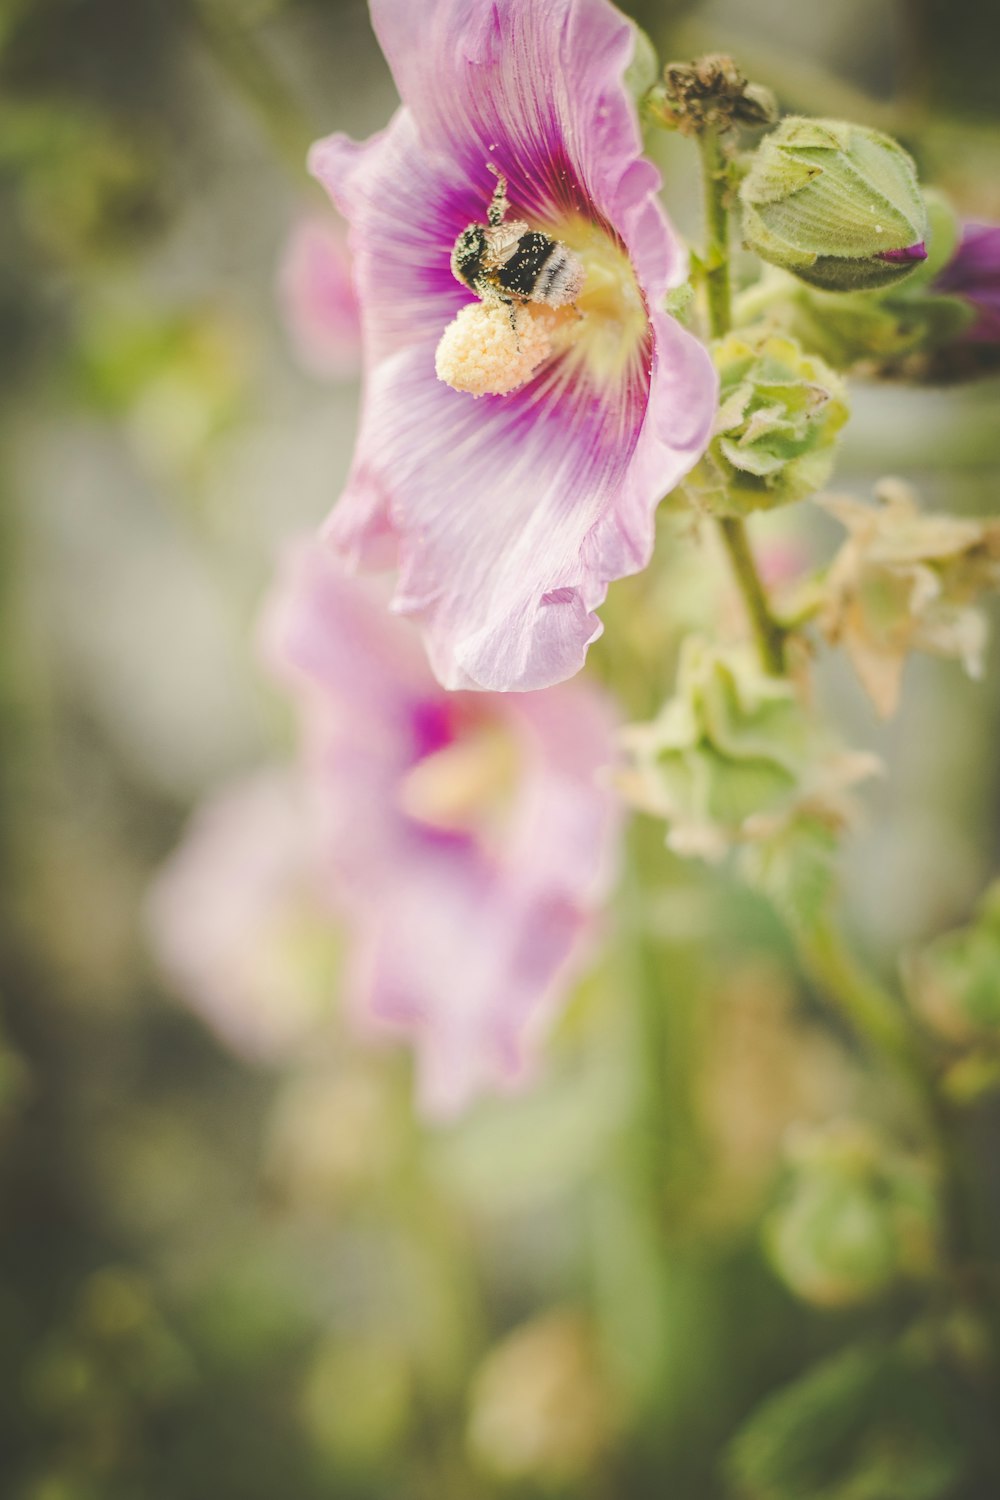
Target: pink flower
[
  {"x": 509, "y": 515},
  {"x": 974, "y": 274},
  {"x": 239, "y": 920},
  {"x": 320, "y": 305},
  {"x": 467, "y": 835}
]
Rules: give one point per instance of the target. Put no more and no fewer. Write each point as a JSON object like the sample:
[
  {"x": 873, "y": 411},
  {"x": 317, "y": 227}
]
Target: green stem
[
  {"x": 883, "y": 1024},
  {"x": 869, "y": 1008},
  {"x": 716, "y": 257},
  {"x": 767, "y": 633}
]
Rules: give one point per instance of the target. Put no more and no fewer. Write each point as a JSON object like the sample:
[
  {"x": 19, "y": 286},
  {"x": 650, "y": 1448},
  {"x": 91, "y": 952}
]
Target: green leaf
[{"x": 869, "y": 1424}]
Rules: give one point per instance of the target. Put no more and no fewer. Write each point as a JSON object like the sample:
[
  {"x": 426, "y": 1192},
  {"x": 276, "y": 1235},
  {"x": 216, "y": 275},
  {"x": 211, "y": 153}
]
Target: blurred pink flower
[
  {"x": 318, "y": 299},
  {"x": 468, "y": 836},
  {"x": 238, "y": 919},
  {"x": 974, "y": 274},
  {"x": 508, "y": 515}
]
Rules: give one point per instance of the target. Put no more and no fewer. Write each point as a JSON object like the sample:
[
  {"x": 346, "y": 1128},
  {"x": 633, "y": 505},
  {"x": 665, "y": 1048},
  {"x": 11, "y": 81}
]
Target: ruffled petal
[
  {"x": 465, "y": 941},
  {"x": 318, "y": 299},
  {"x": 514, "y": 512},
  {"x": 533, "y": 86},
  {"x": 508, "y": 516}
]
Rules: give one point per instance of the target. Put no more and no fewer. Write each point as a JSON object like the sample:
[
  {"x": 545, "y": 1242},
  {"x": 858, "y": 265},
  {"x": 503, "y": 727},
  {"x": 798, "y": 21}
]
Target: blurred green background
[{"x": 219, "y": 1280}]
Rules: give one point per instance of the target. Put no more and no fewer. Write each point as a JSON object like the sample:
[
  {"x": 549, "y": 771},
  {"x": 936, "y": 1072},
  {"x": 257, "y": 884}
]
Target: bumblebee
[{"x": 503, "y": 261}]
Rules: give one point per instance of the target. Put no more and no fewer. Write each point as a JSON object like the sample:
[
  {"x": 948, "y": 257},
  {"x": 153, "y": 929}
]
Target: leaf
[{"x": 869, "y": 1424}]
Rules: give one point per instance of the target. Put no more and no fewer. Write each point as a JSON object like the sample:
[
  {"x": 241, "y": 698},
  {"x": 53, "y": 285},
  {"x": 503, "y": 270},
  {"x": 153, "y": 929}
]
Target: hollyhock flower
[
  {"x": 508, "y": 515},
  {"x": 318, "y": 300},
  {"x": 466, "y": 835},
  {"x": 239, "y": 920},
  {"x": 973, "y": 273}
]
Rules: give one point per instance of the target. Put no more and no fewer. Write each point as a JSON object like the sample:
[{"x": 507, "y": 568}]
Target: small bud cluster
[
  {"x": 776, "y": 431},
  {"x": 852, "y": 1217},
  {"x": 734, "y": 758}
]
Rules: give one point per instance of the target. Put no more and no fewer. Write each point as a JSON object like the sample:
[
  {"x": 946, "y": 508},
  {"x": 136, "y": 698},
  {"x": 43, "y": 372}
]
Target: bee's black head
[{"x": 468, "y": 255}]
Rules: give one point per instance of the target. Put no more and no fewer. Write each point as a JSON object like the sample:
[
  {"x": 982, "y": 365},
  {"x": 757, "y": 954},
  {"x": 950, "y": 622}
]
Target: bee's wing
[{"x": 503, "y": 241}]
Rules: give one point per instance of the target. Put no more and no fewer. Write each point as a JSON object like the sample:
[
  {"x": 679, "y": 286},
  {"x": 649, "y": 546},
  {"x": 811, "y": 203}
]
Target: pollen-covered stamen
[{"x": 491, "y": 349}]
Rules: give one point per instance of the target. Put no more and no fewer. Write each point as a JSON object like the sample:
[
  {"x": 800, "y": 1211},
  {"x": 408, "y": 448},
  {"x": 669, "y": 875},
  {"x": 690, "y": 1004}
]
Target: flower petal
[
  {"x": 508, "y": 516},
  {"x": 513, "y": 512},
  {"x": 318, "y": 299},
  {"x": 465, "y": 942}
]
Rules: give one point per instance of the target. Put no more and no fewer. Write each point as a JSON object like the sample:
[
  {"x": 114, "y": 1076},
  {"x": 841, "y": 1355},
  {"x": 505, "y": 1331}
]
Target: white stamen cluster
[{"x": 490, "y": 349}]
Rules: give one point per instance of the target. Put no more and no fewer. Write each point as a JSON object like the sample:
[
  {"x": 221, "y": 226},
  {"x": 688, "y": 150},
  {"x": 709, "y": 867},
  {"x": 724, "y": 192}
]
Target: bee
[{"x": 503, "y": 261}]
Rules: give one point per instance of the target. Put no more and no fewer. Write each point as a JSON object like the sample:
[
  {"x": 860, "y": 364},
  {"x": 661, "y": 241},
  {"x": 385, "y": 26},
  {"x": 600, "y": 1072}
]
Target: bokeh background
[{"x": 220, "y": 1279}]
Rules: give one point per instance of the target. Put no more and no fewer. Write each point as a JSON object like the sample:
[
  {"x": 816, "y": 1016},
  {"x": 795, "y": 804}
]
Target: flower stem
[
  {"x": 767, "y": 633},
  {"x": 884, "y": 1025},
  {"x": 870, "y": 1009},
  {"x": 716, "y": 257}
]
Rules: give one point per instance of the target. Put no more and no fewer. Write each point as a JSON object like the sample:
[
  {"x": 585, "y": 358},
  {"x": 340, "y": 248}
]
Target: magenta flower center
[{"x": 466, "y": 772}]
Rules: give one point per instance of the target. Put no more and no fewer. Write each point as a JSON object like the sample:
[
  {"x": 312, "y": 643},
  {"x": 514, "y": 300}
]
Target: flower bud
[
  {"x": 973, "y": 274},
  {"x": 839, "y": 205},
  {"x": 780, "y": 414},
  {"x": 955, "y": 980},
  {"x": 852, "y": 1218},
  {"x": 733, "y": 758}
]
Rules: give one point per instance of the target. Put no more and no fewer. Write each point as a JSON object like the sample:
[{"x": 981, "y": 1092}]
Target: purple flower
[
  {"x": 508, "y": 515},
  {"x": 974, "y": 273},
  {"x": 318, "y": 300},
  {"x": 239, "y": 920},
  {"x": 467, "y": 836}
]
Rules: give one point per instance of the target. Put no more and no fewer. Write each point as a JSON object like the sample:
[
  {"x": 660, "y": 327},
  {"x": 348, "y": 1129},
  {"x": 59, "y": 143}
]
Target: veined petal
[
  {"x": 465, "y": 937},
  {"x": 509, "y": 515},
  {"x": 533, "y": 86},
  {"x": 513, "y": 512}
]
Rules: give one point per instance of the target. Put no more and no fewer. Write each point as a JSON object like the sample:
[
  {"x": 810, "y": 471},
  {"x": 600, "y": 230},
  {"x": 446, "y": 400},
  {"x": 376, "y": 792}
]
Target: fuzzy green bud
[
  {"x": 851, "y": 1218},
  {"x": 781, "y": 411},
  {"x": 839, "y": 205},
  {"x": 734, "y": 758}
]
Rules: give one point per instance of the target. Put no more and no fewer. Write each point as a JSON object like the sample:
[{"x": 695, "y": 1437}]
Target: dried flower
[{"x": 904, "y": 581}]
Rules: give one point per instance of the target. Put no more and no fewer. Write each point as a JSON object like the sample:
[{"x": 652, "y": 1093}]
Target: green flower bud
[
  {"x": 734, "y": 758},
  {"x": 839, "y": 205},
  {"x": 852, "y": 1217},
  {"x": 780, "y": 414},
  {"x": 955, "y": 980},
  {"x": 894, "y": 330}
]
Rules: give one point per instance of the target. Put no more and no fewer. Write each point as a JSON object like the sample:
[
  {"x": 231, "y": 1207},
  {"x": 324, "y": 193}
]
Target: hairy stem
[
  {"x": 716, "y": 256},
  {"x": 767, "y": 633}
]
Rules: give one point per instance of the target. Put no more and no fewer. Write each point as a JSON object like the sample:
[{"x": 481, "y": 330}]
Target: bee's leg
[
  {"x": 512, "y": 311},
  {"x": 497, "y": 211}
]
